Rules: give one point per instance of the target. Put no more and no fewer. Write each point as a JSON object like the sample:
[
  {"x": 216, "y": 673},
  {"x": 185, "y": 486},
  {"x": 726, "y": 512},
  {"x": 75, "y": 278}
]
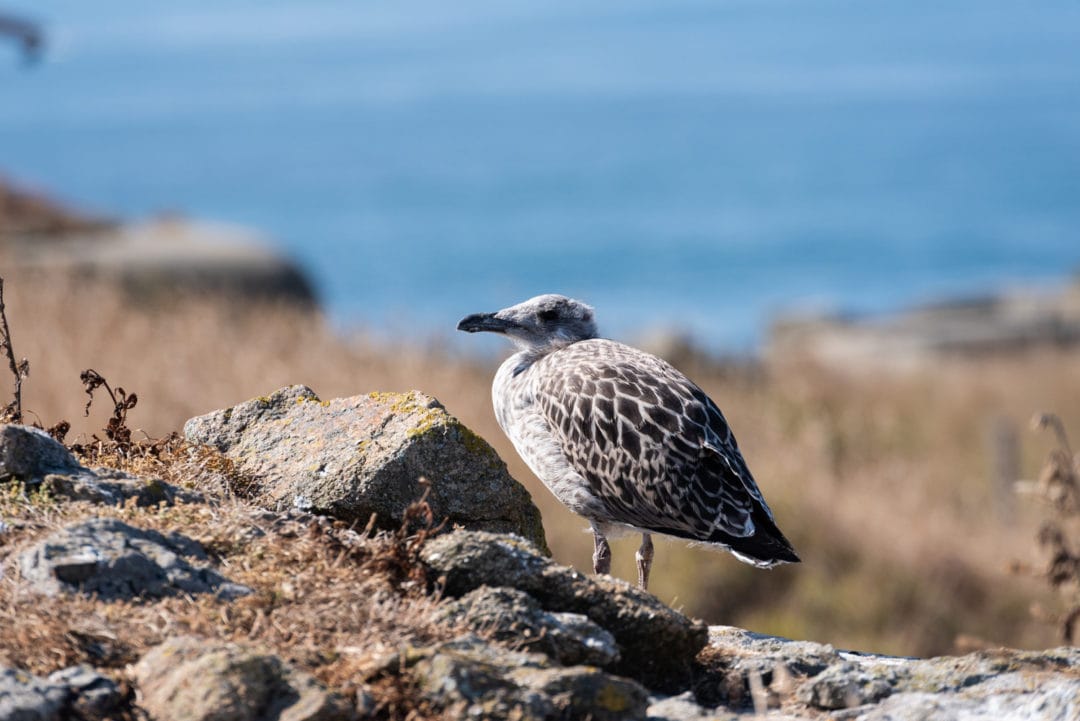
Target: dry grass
[
  {"x": 1058, "y": 539},
  {"x": 881, "y": 482},
  {"x": 327, "y": 599}
]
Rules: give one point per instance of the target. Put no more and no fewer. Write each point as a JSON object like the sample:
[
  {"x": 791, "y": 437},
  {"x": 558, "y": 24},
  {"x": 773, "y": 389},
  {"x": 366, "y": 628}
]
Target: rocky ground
[{"x": 370, "y": 557}]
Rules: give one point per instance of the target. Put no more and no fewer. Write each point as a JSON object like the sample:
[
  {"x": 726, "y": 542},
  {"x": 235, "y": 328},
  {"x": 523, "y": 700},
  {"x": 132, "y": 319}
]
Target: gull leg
[
  {"x": 644, "y": 558},
  {"x": 601, "y": 557}
]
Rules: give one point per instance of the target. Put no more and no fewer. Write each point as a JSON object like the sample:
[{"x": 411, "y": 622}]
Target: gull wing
[{"x": 655, "y": 450}]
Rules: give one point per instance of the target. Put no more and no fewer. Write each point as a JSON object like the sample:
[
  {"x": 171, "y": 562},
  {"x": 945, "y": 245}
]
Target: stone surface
[
  {"x": 1002, "y": 684},
  {"x": 748, "y": 651},
  {"x": 845, "y": 686},
  {"x": 114, "y": 560},
  {"x": 1011, "y": 697},
  {"x": 469, "y": 678},
  {"x": 354, "y": 457},
  {"x": 93, "y": 695},
  {"x": 31, "y": 456},
  {"x": 639, "y": 622},
  {"x": 190, "y": 679},
  {"x": 685, "y": 707},
  {"x": 28, "y": 698},
  {"x": 515, "y": 618},
  {"x": 112, "y": 488},
  {"x": 583, "y": 692}
]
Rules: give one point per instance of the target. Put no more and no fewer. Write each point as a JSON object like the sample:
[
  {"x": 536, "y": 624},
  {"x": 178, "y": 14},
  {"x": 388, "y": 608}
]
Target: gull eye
[{"x": 548, "y": 315}]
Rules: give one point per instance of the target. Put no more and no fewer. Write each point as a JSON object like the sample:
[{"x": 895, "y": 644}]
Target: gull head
[{"x": 543, "y": 323}]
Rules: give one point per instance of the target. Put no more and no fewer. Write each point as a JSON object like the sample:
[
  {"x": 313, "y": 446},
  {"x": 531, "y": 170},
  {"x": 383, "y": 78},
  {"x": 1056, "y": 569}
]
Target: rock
[
  {"x": 189, "y": 679},
  {"x": 94, "y": 695},
  {"x": 157, "y": 259},
  {"x": 582, "y": 692},
  {"x": 639, "y": 622},
  {"x": 1011, "y": 697},
  {"x": 31, "y": 456},
  {"x": 999, "y": 685},
  {"x": 28, "y": 698},
  {"x": 468, "y": 678},
  {"x": 107, "y": 557},
  {"x": 685, "y": 707},
  {"x": 956, "y": 673},
  {"x": 353, "y": 457},
  {"x": 77, "y": 692},
  {"x": 110, "y": 487},
  {"x": 473, "y": 679},
  {"x": 749, "y": 651},
  {"x": 845, "y": 686},
  {"x": 915, "y": 337},
  {"x": 516, "y": 618}
]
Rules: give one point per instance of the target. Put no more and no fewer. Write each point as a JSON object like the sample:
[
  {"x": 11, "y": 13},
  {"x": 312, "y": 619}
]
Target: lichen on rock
[
  {"x": 468, "y": 678},
  {"x": 192, "y": 679},
  {"x": 515, "y": 618},
  {"x": 639, "y": 622},
  {"x": 369, "y": 455},
  {"x": 31, "y": 457}
]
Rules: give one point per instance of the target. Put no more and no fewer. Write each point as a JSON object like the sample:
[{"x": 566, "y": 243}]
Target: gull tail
[{"x": 766, "y": 548}]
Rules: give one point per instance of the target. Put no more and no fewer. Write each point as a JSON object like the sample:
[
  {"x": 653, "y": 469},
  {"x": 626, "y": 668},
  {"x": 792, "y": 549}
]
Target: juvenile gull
[{"x": 623, "y": 439}]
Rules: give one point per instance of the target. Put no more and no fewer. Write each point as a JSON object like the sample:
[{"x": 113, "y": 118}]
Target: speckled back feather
[{"x": 656, "y": 452}]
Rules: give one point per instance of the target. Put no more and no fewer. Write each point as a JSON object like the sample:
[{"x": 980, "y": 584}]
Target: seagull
[{"x": 624, "y": 439}]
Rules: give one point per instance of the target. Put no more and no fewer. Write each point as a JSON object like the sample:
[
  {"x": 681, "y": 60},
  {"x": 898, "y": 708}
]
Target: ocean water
[{"x": 691, "y": 166}]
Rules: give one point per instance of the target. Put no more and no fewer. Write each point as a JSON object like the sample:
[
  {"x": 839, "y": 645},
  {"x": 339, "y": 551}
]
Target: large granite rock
[
  {"x": 114, "y": 560},
  {"x": 656, "y": 644},
  {"x": 354, "y": 457},
  {"x": 190, "y": 679}
]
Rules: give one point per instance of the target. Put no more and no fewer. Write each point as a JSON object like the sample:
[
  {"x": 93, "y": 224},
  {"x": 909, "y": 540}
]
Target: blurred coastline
[{"x": 159, "y": 257}]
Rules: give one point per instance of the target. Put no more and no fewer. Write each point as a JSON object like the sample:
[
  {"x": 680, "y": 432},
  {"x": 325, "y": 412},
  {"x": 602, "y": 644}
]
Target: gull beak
[{"x": 481, "y": 322}]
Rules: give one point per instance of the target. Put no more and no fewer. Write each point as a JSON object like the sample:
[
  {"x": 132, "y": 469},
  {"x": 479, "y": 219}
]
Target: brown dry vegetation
[
  {"x": 880, "y": 481},
  {"x": 1058, "y": 490},
  {"x": 328, "y": 599}
]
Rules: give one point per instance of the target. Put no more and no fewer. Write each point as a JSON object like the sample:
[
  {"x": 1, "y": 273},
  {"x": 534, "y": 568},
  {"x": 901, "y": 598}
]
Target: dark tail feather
[{"x": 767, "y": 547}]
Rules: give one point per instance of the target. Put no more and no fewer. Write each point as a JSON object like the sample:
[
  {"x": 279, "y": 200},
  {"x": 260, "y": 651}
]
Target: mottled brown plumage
[{"x": 623, "y": 438}]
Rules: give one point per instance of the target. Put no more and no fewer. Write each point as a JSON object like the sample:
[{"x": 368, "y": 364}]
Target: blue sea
[{"x": 691, "y": 166}]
